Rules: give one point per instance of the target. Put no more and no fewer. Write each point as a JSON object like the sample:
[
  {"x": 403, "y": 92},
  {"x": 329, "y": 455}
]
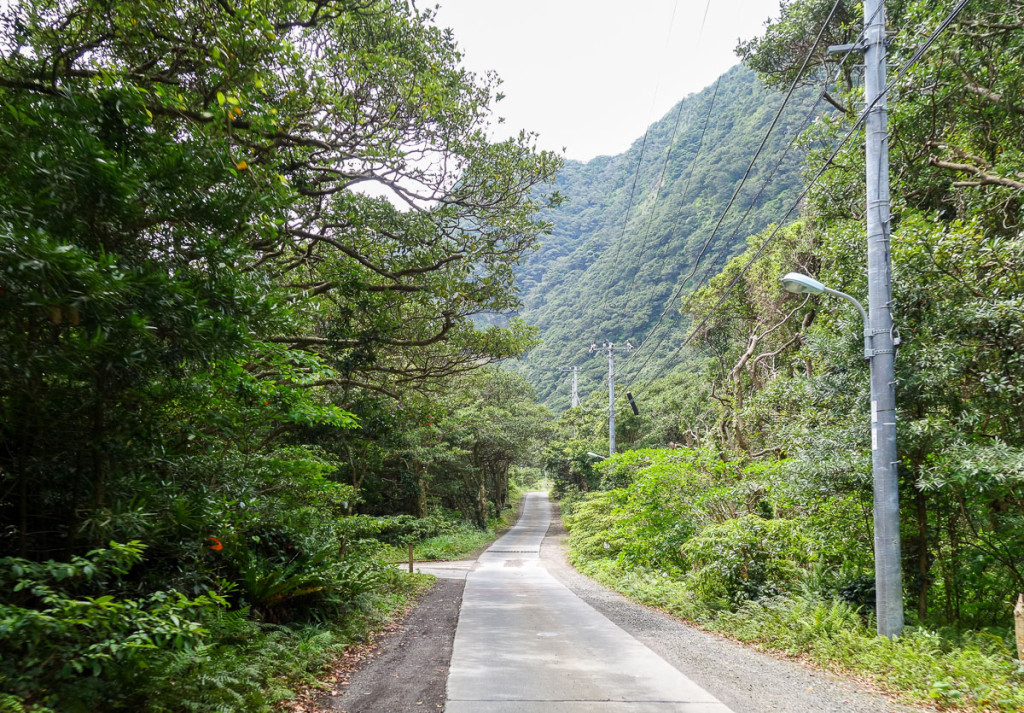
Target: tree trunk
[
  {"x": 421, "y": 499},
  {"x": 922, "y": 555},
  {"x": 481, "y": 507},
  {"x": 1018, "y": 621}
]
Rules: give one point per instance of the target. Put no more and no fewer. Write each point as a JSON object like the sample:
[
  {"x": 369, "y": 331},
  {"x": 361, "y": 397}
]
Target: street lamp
[
  {"x": 800, "y": 284},
  {"x": 595, "y": 455},
  {"x": 888, "y": 575}
]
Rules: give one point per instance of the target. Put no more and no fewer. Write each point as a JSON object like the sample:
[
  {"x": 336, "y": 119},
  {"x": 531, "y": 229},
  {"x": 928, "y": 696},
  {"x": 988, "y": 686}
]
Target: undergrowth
[
  {"x": 974, "y": 671},
  {"x": 749, "y": 550},
  {"x": 62, "y": 651}
]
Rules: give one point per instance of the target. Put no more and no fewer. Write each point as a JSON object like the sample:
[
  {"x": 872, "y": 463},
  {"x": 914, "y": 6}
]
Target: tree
[
  {"x": 180, "y": 218},
  {"x": 956, "y": 254}
]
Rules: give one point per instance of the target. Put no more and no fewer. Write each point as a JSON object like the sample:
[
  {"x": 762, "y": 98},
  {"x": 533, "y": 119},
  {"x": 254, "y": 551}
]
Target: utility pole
[
  {"x": 611, "y": 389},
  {"x": 888, "y": 575},
  {"x": 575, "y": 398}
]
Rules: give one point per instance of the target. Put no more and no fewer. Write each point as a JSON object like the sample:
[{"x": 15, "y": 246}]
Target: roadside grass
[
  {"x": 463, "y": 542},
  {"x": 973, "y": 671},
  {"x": 262, "y": 667}
]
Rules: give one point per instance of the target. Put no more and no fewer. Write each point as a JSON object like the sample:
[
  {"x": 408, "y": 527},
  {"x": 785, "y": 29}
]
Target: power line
[
  {"x": 849, "y": 49},
  {"x": 705, "y": 276},
  {"x": 629, "y": 205},
  {"x": 664, "y": 168},
  {"x": 643, "y": 145},
  {"x": 625, "y": 224},
  {"x": 942, "y": 27},
  {"x": 707, "y": 272},
  {"x": 739, "y": 187},
  {"x": 703, "y": 20},
  {"x": 671, "y": 144}
]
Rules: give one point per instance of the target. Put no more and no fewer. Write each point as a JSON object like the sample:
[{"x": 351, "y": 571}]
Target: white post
[
  {"x": 611, "y": 399},
  {"x": 1018, "y": 624}
]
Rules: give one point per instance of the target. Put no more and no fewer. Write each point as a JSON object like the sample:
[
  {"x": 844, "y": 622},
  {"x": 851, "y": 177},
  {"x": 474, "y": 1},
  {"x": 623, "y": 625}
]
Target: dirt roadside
[{"x": 409, "y": 670}]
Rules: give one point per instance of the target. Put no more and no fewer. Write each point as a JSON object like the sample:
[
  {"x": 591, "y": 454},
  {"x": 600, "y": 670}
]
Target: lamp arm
[{"x": 868, "y": 352}]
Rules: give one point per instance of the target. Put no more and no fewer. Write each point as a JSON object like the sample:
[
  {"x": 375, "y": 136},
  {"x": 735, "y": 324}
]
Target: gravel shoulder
[
  {"x": 408, "y": 671},
  {"x": 746, "y": 680}
]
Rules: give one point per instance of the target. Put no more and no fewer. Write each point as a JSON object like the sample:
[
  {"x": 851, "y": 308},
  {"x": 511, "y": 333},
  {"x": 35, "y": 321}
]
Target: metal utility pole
[
  {"x": 611, "y": 389},
  {"x": 888, "y": 575},
  {"x": 575, "y": 398}
]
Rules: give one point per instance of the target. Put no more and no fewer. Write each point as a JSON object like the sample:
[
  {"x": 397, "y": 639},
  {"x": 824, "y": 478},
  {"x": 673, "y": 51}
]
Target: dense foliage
[
  {"x": 764, "y": 530},
  {"x": 957, "y": 262},
  {"x": 242, "y": 247}
]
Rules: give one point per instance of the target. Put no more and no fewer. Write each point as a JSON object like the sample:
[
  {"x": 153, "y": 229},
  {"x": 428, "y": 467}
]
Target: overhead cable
[
  {"x": 739, "y": 187},
  {"x": 664, "y": 168},
  {"x": 942, "y": 27}
]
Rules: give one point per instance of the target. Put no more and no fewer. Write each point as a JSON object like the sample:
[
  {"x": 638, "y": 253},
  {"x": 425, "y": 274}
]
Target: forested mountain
[{"x": 594, "y": 279}]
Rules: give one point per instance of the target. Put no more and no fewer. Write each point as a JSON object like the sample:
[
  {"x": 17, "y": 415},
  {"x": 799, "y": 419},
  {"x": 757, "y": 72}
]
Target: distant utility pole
[
  {"x": 575, "y": 385},
  {"x": 888, "y": 575},
  {"x": 611, "y": 388}
]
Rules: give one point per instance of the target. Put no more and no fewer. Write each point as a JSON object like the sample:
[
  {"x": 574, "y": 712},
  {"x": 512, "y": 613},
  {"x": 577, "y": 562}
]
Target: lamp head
[{"x": 801, "y": 284}]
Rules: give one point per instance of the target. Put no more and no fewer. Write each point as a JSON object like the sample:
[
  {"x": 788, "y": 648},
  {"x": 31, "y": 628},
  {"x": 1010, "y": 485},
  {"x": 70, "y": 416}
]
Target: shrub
[
  {"x": 592, "y": 526},
  {"x": 746, "y": 558},
  {"x": 64, "y": 644}
]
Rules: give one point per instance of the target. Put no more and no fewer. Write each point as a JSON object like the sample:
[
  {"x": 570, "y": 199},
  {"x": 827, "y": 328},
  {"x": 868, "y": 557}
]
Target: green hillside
[{"x": 592, "y": 281}]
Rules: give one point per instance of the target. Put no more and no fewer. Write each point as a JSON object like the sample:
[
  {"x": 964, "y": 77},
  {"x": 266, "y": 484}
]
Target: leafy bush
[
  {"x": 310, "y": 584},
  {"x": 593, "y": 526},
  {"x": 397, "y": 529},
  {"x": 65, "y": 648},
  {"x": 62, "y": 641},
  {"x": 746, "y": 558},
  {"x": 458, "y": 539}
]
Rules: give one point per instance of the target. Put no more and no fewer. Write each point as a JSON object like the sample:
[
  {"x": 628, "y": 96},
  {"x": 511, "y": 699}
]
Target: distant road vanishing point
[{"x": 526, "y": 644}]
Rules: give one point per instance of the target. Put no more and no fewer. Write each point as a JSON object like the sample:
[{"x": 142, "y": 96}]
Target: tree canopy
[
  {"x": 189, "y": 195},
  {"x": 240, "y": 242}
]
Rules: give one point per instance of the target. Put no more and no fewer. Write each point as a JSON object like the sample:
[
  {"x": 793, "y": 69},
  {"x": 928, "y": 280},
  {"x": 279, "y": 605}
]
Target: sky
[{"x": 592, "y": 75}]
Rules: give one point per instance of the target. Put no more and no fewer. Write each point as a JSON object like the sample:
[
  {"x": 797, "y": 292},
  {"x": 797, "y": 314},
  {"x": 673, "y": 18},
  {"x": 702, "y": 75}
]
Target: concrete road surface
[{"x": 526, "y": 644}]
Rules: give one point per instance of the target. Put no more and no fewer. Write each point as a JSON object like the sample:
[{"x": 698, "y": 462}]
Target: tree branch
[
  {"x": 359, "y": 384},
  {"x": 984, "y": 179}
]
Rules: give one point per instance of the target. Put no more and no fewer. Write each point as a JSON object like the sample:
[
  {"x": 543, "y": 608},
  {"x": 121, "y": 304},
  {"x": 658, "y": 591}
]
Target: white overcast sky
[{"x": 591, "y": 75}]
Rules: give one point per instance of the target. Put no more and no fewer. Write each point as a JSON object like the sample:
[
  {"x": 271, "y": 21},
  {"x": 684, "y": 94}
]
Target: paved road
[{"x": 526, "y": 644}]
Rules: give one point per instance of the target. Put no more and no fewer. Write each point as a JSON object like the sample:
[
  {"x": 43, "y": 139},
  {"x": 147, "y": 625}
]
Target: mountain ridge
[{"x": 616, "y": 255}]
